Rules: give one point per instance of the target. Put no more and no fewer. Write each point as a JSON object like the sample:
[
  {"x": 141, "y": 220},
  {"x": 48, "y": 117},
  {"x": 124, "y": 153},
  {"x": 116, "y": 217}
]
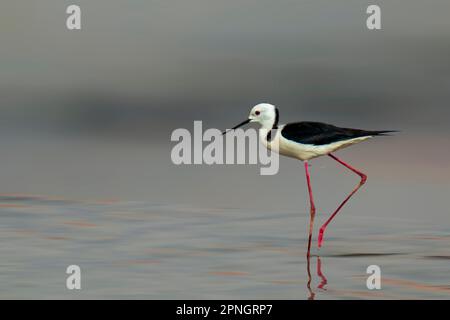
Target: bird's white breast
[{"x": 302, "y": 151}]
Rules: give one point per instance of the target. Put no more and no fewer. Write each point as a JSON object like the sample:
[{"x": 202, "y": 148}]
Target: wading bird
[{"x": 305, "y": 141}]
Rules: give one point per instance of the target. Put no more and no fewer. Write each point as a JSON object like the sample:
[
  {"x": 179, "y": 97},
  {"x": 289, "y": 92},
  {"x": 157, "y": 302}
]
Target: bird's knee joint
[{"x": 363, "y": 178}]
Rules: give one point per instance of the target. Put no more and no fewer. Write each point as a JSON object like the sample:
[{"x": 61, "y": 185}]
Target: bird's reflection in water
[{"x": 323, "y": 279}]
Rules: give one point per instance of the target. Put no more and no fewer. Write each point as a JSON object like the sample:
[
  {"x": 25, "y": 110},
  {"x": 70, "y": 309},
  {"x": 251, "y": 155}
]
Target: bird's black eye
[{"x": 257, "y": 112}]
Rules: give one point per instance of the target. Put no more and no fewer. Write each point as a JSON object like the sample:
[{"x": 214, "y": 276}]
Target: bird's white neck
[
  {"x": 263, "y": 134},
  {"x": 267, "y": 124}
]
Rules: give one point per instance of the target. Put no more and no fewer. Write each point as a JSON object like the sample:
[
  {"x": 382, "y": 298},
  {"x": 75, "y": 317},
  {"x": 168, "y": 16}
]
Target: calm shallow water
[{"x": 151, "y": 251}]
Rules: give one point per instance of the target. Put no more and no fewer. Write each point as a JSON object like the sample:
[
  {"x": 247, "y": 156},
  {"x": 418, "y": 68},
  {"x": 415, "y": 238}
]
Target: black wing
[{"x": 318, "y": 133}]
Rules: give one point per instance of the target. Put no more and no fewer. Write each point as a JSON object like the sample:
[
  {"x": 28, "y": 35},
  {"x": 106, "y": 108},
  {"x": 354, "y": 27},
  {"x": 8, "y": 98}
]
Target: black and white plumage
[
  {"x": 318, "y": 133},
  {"x": 305, "y": 141}
]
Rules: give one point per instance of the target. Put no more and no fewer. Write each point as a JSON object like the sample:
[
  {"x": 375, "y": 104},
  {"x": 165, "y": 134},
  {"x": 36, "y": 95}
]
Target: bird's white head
[{"x": 264, "y": 113}]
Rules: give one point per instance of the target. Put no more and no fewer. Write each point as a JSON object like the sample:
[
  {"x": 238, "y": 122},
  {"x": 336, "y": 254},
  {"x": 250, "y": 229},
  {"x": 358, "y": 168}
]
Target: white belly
[{"x": 302, "y": 151}]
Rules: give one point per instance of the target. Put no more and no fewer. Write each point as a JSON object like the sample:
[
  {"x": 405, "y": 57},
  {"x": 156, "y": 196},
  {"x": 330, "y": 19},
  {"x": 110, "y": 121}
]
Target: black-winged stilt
[{"x": 305, "y": 141}]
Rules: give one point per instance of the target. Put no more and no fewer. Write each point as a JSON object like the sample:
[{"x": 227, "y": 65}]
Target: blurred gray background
[
  {"x": 85, "y": 169},
  {"x": 89, "y": 113}
]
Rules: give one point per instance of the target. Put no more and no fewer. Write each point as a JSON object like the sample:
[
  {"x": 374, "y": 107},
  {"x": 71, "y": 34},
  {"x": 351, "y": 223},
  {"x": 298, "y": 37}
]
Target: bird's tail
[{"x": 383, "y": 132}]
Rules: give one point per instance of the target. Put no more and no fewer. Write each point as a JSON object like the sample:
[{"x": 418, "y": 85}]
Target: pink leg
[
  {"x": 363, "y": 180},
  {"x": 312, "y": 208}
]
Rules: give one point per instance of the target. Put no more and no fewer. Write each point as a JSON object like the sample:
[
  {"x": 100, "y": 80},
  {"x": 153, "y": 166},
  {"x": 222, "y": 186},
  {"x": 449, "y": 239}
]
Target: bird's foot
[{"x": 320, "y": 238}]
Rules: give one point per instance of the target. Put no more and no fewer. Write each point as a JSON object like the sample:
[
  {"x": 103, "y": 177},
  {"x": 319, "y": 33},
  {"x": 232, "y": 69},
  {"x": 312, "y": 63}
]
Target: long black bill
[{"x": 239, "y": 125}]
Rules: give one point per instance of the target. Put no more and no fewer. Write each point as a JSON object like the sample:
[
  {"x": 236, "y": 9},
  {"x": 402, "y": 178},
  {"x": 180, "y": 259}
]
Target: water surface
[{"x": 151, "y": 251}]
